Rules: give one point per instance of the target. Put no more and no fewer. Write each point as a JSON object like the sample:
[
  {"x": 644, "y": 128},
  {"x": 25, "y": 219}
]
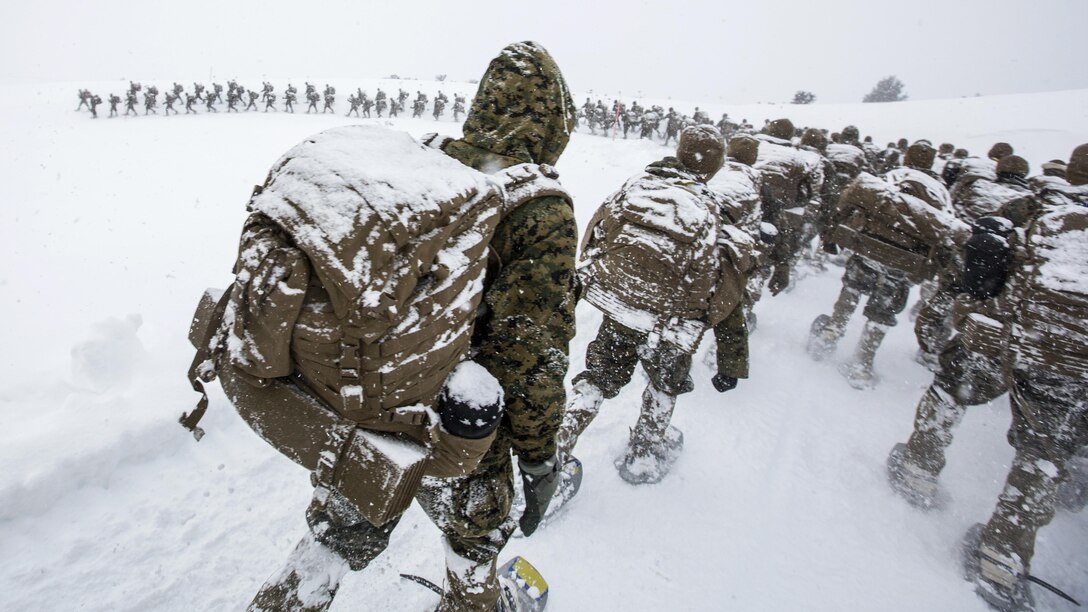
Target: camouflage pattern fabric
[
  {"x": 523, "y": 107},
  {"x": 965, "y": 379},
  {"x": 522, "y": 113},
  {"x": 887, "y": 290},
  {"x": 1050, "y": 423},
  {"x": 731, "y": 335},
  {"x": 612, "y": 356},
  {"x": 473, "y": 514}
]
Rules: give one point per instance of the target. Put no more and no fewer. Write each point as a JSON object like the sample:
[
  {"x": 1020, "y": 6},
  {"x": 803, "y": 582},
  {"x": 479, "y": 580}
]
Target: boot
[
  {"x": 585, "y": 401},
  {"x": 826, "y": 330},
  {"x": 307, "y": 582},
  {"x": 913, "y": 483},
  {"x": 999, "y": 579},
  {"x": 922, "y": 458},
  {"x": 859, "y": 371},
  {"x": 654, "y": 445}
]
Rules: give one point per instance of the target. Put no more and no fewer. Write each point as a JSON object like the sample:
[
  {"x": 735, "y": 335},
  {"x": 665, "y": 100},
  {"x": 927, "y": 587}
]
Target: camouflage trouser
[
  {"x": 887, "y": 289},
  {"x": 933, "y": 327},
  {"x": 472, "y": 511},
  {"x": 1050, "y": 424},
  {"x": 731, "y": 336},
  {"x": 612, "y": 356},
  {"x": 966, "y": 378},
  {"x": 610, "y": 362}
]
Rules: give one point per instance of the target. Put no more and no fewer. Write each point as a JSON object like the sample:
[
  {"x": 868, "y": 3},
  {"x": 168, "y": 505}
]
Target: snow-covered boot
[
  {"x": 522, "y": 588},
  {"x": 826, "y": 330},
  {"x": 859, "y": 371},
  {"x": 570, "y": 482},
  {"x": 913, "y": 483},
  {"x": 654, "y": 444},
  {"x": 585, "y": 400},
  {"x": 998, "y": 577},
  {"x": 307, "y": 582}
]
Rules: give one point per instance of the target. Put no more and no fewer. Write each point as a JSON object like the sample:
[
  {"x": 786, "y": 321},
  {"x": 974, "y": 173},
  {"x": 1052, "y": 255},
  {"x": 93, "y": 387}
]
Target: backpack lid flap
[{"x": 353, "y": 197}]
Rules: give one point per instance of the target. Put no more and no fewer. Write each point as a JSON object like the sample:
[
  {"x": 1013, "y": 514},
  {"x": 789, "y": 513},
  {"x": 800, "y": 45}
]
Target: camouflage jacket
[
  {"x": 527, "y": 322},
  {"x": 523, "y": 113}
]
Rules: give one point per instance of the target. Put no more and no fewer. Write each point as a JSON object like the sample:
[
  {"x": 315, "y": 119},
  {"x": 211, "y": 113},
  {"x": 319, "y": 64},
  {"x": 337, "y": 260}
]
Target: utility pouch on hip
[
  {"x": 917, "y": 268},
  {"x": 379, "y": 473}
]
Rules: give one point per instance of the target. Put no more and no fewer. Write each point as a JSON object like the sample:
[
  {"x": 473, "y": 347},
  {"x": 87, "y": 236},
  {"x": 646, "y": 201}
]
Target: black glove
[
  {"x": 780, "y": 279},
  {"x": 539, "y": 481},
  {"x": 831, "y": 248},
  {"x": 723, "y": 383}
]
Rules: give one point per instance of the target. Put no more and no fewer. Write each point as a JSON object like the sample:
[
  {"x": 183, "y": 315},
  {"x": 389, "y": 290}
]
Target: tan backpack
[
  {"x": 897, "y": 222},
  {"x": 1049, "y": 293},
  {"x": 359, "y": 274},
  {"x": 652, "y": 261}
]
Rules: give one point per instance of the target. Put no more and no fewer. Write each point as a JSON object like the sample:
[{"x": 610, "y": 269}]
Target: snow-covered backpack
[
  {"x": 1049, "y": 294},
  {"x": 792, "y": 178},
  {"x": 652, "y": 261},
  {"x": 359, "y": 273},
  {"x": 900, "y": 221}
]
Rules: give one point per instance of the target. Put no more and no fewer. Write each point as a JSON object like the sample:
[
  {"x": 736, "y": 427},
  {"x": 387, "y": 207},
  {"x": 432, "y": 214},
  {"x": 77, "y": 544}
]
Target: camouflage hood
[{"x": 523, "y": 108}]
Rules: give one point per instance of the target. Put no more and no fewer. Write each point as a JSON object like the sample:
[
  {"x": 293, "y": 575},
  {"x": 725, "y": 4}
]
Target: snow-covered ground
[{"x": 113, "y": 227}]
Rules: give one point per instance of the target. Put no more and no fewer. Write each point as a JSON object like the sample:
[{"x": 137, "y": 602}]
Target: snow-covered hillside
[{"x": 113, "y": 227}]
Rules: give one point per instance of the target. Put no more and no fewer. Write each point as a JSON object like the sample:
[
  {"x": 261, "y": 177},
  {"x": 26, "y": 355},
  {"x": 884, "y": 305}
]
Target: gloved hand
[
  {"x": 723, "y": 383},
  {"x": 539, "y": 481},
  {"x": 831, "y": 248},
  {"x": 780, "y": 279}
]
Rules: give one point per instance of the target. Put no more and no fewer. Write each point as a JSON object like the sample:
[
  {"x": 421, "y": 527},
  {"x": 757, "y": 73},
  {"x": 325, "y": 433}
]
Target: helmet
[
  {"x": 814, "y": 138},
  {"x": 999, "y": 150},
  {"x": 1014, "y": 165},
  {"x": 701, "y": 150},
  {"x": 744, "y": 149},
  {"x": 920, "y": 155},
  {"x": 780, "y": 128}
]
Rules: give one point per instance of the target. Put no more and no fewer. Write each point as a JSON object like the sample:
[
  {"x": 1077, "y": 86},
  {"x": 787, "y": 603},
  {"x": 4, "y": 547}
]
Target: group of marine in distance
[
  {"x": 237, "y": 96},
  {"x": 596, "y": 117}
]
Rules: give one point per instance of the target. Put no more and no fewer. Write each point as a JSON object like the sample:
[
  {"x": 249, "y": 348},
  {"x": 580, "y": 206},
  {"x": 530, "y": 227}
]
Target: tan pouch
[
  {"x": 917, "y": 267},
  {"x": 455, "y": 456}
]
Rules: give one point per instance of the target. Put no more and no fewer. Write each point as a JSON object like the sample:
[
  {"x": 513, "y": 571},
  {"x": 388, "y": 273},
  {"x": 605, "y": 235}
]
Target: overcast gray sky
[{"x": 737, "y": 52}]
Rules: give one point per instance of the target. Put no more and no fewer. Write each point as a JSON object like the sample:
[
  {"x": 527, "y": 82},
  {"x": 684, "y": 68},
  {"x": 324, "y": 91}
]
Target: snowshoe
[
  {"x": 911, "y": 482},
  {"x": 649, "y": 461},
  {"x": 570, "y": 481},
  {"x": 821, "y": 339},
  {"x": 999, "y": 580},
  {"x": 307, "y": 582},
  {"x": 858, "y": 376},
  {"x": 521, "y": 587}
]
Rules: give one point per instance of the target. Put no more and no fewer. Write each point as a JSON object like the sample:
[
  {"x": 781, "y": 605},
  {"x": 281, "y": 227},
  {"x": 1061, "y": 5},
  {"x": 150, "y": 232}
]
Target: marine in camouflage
[{"x": 522, "y": 113}]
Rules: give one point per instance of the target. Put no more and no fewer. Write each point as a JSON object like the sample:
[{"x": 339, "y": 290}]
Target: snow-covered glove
[
  {"x": 723, "y": 383},
  {"x": 539, "y": 481}
]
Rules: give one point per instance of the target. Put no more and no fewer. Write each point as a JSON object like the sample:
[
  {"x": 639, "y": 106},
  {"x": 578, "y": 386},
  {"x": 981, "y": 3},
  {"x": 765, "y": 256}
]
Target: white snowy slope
[{"x": 111, "y": 229}]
